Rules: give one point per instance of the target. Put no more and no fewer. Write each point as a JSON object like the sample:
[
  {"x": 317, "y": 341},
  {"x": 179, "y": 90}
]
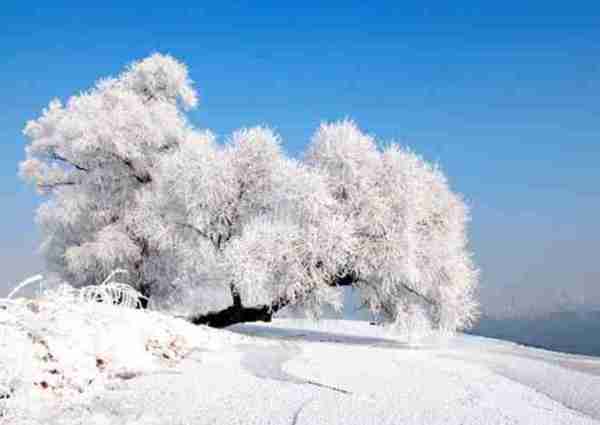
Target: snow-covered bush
[
  {"x": 215, "y": 230},
  {"x": 67, "y": 343}
]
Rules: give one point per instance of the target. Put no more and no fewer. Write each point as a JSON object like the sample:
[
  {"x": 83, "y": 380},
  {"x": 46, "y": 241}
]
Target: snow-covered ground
[{"x": 99, "y": 364}]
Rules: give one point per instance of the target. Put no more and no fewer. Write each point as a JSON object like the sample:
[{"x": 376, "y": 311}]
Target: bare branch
[
  {"x": 144, "y": 178},
  {"x": 55, "y": 156},
  {"x": 418, "y": 294},
  {"x": 55, "y": 185},
  {"x": 195, "y": 229}
]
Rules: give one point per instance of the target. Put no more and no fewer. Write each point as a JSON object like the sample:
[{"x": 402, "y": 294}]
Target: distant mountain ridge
[{"x": 576, "y": 332}]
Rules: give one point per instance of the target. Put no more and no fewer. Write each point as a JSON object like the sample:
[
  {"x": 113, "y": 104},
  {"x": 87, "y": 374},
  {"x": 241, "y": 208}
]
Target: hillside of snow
[{"x": 92, "y": 363}]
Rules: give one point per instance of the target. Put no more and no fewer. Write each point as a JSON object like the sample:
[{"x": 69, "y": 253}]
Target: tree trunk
[
  {"x": 234, "y": 314},
  {"x": 143, "y": 300},
  {"x": 237, "y": 313}
]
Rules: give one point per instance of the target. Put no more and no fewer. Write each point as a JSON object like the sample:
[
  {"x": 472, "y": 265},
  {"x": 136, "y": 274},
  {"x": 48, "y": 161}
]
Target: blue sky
[{"x": 506, "y": 97}]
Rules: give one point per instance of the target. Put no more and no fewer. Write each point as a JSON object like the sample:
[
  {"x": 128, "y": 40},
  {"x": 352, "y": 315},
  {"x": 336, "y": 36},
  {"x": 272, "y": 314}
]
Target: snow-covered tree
[
  {"x": 245, "y": 222},
  {"x": 235, "y": 231},
  {"x": 411, "y": 256},
  {"x": 95, "y": 157}
]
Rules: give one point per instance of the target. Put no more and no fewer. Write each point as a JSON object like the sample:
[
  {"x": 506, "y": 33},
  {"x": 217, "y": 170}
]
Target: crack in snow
[
  {"x": 299, "y": 411},
  {"x": 329, "y": 387},
  {"x": 267, "y": 363}
]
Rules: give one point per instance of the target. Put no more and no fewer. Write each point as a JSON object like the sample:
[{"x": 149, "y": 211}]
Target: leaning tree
[{"x": 233, "y": 231}]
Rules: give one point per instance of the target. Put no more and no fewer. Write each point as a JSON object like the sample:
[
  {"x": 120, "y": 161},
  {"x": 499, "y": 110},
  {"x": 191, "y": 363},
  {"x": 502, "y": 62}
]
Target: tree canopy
[{"x": 234, "y": 230}]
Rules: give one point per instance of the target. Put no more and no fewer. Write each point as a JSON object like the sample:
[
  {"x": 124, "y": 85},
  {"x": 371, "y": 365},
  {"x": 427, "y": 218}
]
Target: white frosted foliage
[{"x": 199, "y": 223}]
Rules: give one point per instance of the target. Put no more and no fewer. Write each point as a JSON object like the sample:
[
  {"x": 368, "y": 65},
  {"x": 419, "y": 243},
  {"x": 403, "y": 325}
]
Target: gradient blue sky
[{"x": 505, "y": 96}]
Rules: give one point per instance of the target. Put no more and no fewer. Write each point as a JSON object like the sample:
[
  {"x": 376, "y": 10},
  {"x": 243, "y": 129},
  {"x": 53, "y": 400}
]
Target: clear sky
[{"x": 506, "y": 96}]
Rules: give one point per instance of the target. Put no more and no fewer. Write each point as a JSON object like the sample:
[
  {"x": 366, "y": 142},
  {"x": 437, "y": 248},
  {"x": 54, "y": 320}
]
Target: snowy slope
[{"x": 298, "y": 372}]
